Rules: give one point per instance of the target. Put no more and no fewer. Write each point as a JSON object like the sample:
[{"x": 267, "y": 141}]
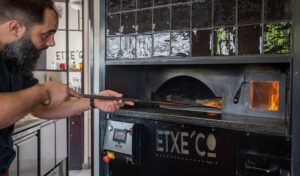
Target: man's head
[{"x": 26, "y": 28}]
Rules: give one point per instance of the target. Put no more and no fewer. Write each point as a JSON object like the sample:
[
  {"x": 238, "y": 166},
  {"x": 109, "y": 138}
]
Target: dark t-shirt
[{"x": 10, "y": 81}]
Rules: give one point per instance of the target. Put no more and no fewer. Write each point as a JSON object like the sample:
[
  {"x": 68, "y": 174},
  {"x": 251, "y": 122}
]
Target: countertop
[{"x": 27, "y": 122}]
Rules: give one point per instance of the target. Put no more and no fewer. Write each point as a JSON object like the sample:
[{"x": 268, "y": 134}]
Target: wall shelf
[{"x": 204, "y": 60}]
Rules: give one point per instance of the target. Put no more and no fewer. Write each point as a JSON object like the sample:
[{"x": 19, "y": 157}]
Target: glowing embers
[{"x": 264, "y": 95}]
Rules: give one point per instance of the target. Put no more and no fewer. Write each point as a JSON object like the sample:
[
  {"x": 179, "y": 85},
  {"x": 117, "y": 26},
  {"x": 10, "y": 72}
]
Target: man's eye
[{"x": 44, "y": 36}]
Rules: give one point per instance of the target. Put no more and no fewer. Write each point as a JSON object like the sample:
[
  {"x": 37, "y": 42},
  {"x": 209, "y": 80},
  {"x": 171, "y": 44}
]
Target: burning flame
[
  {"x": 264, "y": 95},
  {"x": 215, "y": 102},
  {"x": 274, "y": 97}
]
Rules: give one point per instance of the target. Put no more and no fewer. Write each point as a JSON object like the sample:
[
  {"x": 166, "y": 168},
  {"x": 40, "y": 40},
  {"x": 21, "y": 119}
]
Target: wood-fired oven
[{"x": 231, "y": 61}]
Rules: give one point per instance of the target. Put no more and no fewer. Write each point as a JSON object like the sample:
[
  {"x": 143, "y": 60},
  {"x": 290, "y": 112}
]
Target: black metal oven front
[{"x": 237, "y": 55}]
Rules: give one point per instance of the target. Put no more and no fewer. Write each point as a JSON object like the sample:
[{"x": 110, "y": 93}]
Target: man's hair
[{"x": 28, "y": 12}]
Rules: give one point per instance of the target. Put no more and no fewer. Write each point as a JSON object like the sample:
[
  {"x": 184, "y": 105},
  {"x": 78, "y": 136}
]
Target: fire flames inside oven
[
  {"x": 188, "y": 90},
  {"x": 264, "y": 95}
]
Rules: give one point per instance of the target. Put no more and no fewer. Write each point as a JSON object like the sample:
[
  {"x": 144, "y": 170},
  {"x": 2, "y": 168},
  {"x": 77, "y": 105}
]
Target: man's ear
[{"x": 16, "y": 28}]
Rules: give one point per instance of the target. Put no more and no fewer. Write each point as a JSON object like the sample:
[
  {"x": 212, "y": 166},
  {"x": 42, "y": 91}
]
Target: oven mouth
[{"x": 191, "y": 91}]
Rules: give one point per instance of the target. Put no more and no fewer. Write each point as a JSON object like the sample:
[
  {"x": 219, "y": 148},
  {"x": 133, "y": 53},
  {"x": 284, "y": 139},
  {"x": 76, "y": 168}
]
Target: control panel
[{"x": 119, "y": 137}]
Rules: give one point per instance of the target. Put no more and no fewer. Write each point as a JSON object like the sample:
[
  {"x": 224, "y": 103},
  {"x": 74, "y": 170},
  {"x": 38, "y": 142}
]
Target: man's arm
[
  {"x": 13, "y": 106},
  {"x": 76, "y": 106},
  {"x": 63, "y": 110}
]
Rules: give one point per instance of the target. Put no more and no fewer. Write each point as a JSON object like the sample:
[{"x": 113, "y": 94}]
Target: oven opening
[
  {"x": 188, "y": 90},
  {"x": 264, "y": 95}
]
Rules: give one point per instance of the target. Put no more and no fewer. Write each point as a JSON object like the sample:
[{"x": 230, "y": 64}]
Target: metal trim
[{"x": 295, "y": 108}]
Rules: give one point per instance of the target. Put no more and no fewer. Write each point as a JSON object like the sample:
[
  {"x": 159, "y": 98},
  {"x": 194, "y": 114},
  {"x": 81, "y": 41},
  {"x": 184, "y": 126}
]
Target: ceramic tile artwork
[
  {"x": 113, "y": 24},
  {"x": 201, "y": 14},
  {"x": 224, "y": 41},
  {"x": 161, "y": 44},
  {"x": 180, "y": 17},
  {"x": 180, "y": 44},
  {"x": 144, "y": 3},
  {"x": 128, "y": 49},
  {"x": 182, "y": 28},
  {"x": 128, "y": 5},
  {"x": 144, "y": 21},
  {"x": 179, "y": 1},
  {"x": 277, "y": 38},
  {"x": 250, "y": 40},
  {"x": 144, "y": 46},
  {"x": 162, "y": 2},
  {"x": 224, "y": 12},
  {"x": 128, "y": 22},
  {"x": 201, "y": 42},
  {"x": 113, "y": 5},
  {"x": 249, "y": 11},
  {"x": 278, "y": 10},
  {"x": 113, "y": 47},
  {"x": 161, "y": 19}
]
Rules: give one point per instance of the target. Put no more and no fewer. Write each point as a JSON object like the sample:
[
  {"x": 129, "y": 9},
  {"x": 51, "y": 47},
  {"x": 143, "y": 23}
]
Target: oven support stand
[{"x": 296, "y": 93}]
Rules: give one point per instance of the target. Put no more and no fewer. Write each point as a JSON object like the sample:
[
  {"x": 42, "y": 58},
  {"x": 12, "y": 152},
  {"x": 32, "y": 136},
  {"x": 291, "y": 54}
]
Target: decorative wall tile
[
  {"x": 181, "y": 17},
  {"x": 161, "y": 19},
  {"x": 128, "y": 22},
  {"x": 144, "y": 46},
  {"x": 201, "y": 14},
  {"x": 161, "y": 44},
  {"x": 224, "y": 41},
  {"x": 144, "y": 21},
  {"x": 113, "y": 5},
  {"x": 180, "y": 44},
  {"x": 144, "y": 3},
  {"x": 113, "y": 47},
  {"x": 277, "y": 38},
  {"x": 278, "y": 10},
  {"x": 113, "y": 24},
  {"x": 128, "y": 4},
  {"x": 224, "y": 12},
  {"x": 128, "y": 47},
  {"x": 250, "y": 11},
  {"x": 179, "y": 1},
  {"x": 201, "y": 42},
  {"x": 250, "y": 39},
  {"x": 162, "y": 2}
]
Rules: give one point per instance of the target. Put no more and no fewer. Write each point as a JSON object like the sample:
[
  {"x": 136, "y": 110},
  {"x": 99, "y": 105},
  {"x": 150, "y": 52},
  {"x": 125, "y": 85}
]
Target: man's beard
[{"x": 22, "y": 55}]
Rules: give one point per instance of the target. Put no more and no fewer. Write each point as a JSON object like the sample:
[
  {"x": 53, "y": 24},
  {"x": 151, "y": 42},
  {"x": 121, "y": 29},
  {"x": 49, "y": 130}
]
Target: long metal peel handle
[{"x": 133, "y": 100}]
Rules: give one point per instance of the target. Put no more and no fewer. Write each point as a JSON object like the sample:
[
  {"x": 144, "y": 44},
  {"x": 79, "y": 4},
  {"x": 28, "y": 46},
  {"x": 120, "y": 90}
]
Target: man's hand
[
  {"x": 110, "y": 105},
  {"x": 58, "y": 92}
]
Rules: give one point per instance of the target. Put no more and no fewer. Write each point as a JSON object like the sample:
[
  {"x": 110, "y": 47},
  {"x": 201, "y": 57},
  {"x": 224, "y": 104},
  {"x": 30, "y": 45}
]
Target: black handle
[{"x": 237, "y": 95}]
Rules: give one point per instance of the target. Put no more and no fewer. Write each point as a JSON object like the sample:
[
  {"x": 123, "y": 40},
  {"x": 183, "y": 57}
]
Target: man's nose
[{"x": 50, "y": 41}]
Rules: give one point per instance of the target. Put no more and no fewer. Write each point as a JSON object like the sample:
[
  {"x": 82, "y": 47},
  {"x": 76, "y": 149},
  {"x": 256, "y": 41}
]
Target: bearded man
[{"x": 27, "y": 27}]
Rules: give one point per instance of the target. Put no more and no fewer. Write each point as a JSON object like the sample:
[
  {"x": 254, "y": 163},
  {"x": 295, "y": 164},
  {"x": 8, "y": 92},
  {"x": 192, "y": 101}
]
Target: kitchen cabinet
[
  {"x": 47, "y": 148},
  {"x": 41, "y": 148},
  {"x": 60, "y": 170},
  {"x": 28, "y": 156},
  {"x": 61, "y": 140}
]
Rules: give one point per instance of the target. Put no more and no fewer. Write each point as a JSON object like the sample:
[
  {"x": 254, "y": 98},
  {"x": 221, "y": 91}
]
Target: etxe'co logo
[{"x": 167, "y": 141}]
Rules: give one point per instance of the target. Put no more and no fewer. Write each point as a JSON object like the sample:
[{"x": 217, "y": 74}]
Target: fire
[
  {"x": 213, "y": 104},
  {"x": 264, "y": 95},
  {"x": 216, "y": 102},
  {"x": 274, "y": 97}
]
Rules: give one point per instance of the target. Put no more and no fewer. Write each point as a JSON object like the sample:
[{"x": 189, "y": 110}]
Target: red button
[
  {"x": 130, "y": 132},
  {"x": 106, "y": 159}
]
